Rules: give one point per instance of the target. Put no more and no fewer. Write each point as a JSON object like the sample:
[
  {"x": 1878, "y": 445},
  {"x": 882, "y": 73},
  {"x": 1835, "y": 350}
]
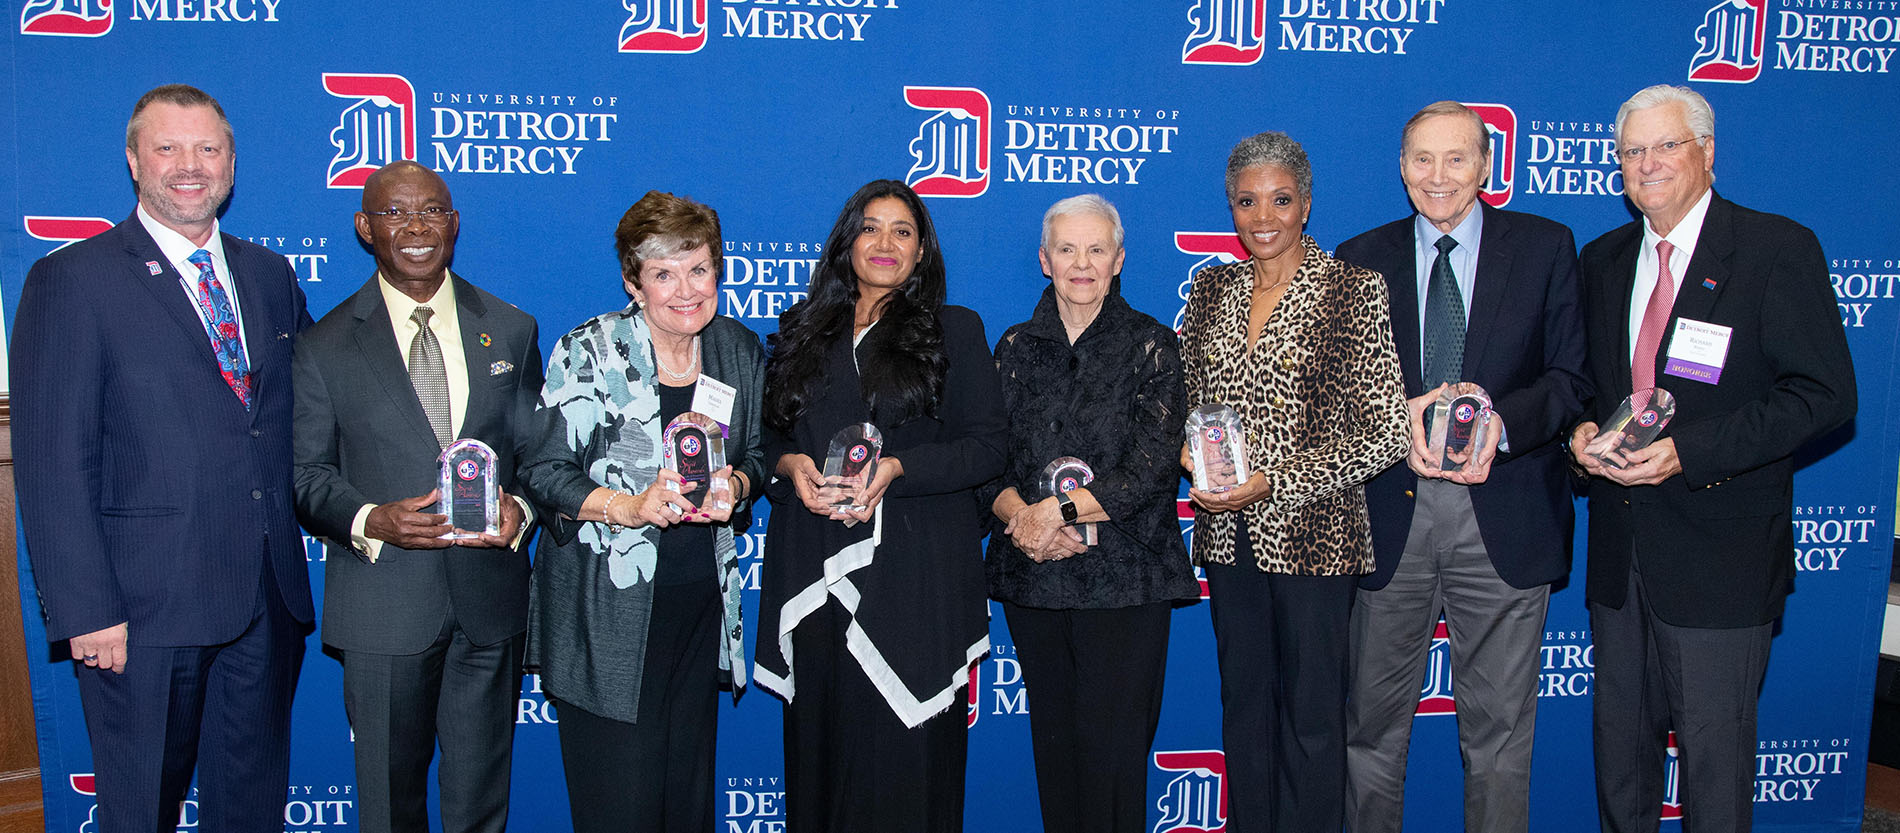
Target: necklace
[
  {"x": 691, "y": 364},
  {"x": 1262, "y": 290}
]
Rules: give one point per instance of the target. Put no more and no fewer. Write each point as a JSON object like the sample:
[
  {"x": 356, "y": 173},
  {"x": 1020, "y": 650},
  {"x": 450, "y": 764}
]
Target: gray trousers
[
  {"x": 1495, "y": 631},
  {"x": 1703, "y": 683},
  {"x": 454, "y": 693}
]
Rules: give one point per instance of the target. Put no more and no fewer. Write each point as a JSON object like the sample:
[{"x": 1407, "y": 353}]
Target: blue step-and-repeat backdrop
[{"x": 549, "y": 119}]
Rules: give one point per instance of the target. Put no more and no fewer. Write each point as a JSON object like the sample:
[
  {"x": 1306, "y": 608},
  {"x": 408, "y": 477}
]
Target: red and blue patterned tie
[{"x": 221, "y": 325}]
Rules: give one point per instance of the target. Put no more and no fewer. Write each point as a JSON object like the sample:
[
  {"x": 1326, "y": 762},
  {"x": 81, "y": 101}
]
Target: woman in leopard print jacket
[{"x": 1300, "y": 345}]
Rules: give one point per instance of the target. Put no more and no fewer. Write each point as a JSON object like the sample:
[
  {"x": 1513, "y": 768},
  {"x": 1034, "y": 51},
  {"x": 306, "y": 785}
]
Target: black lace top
[{"x": 1114, "y": 399}]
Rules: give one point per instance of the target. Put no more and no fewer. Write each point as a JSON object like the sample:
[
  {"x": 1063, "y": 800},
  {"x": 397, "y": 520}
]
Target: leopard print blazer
[{"x": 1320, "y": 398}]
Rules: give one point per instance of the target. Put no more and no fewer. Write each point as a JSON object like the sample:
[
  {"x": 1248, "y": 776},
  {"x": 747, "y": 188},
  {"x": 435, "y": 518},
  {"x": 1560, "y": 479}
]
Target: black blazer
[
  {"x": 1524, "y": 345},
  {"x": 147, "y": 492},
  {"x": 362, "y": 437},
  {"x": 1716, "y": 539}
]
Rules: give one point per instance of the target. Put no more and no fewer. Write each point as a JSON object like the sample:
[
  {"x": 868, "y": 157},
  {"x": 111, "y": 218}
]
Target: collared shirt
[
  {"x": 1683, "y": 237},
  {"x": 1464, "y": 258},
  {"x": 448, "y": 332},
  {"x": 178, "y": 250}
]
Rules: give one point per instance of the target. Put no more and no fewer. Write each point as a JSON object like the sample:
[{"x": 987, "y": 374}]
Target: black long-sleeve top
[{"x": 1113, "y": 399}]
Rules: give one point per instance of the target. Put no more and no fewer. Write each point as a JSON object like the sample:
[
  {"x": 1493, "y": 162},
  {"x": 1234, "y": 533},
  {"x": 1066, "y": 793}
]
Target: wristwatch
[{"x": 1069, "y": 512}]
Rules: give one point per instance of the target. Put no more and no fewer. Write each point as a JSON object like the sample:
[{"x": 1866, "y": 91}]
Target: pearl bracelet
[{"x": 605, "y": 510}]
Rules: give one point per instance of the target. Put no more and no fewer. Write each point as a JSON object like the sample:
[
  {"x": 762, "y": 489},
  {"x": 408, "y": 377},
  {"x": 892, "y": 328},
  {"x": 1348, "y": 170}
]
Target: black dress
[{"x": 868, "y": 632}]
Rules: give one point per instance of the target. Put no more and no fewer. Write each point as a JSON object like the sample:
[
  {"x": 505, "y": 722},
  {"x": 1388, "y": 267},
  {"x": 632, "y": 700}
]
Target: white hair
[
  {"x": 1081, "y": 204},
  {"x": 1695, "y": 108}
]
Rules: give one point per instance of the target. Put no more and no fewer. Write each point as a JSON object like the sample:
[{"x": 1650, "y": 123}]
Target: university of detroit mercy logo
[
  {"x": 1434, "y": 697},
  {"x": 1195, "y": 801},
  {"x": 1214, "y": 248},
  {"x": 676, "y": 26},
  {"x": 1229, "y": 32},
  {"x": 66, "y": 18},
  {"x": 952, "y": 148},
  {"x": 65, "y": 230},
  {"x": 1500, "y": 130},
  {"x": 378, "y": 128},
  {"x": 1729, "y": 42},
  {"x": 1672, "y": 782},
  {"x": 974, "y": 702}
]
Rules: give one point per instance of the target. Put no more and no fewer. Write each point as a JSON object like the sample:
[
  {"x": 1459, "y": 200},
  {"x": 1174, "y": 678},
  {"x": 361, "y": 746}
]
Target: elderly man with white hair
[{"x": 1730, "y": 311}]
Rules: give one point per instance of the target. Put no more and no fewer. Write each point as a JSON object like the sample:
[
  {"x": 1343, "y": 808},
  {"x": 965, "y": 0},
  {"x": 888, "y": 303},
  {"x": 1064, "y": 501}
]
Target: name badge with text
[
  {"x": 714, "y": 399},
  {"x": 1697, "y": 350}
]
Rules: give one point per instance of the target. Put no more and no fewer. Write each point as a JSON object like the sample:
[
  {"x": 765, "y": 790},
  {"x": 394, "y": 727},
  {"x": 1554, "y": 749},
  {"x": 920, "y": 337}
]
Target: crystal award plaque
[
  {"x": 1218, "y": 448},
  {"x": 1636, "y": 424},
  {"x": 1456, "y": 425},
  {"x": 471, "y": 492},
  {"x": 1066, "y": 474},
  {"x": 851, "y": 462},
  {"x": 694, "y": 446}
]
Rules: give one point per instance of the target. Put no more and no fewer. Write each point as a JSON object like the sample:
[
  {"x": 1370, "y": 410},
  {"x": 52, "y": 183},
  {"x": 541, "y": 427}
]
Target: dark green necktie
[{"x": 1444, "y": 321}]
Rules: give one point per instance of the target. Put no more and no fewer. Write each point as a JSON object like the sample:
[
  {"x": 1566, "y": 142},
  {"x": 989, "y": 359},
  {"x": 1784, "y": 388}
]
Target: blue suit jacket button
[{"x": 257, "y": 494}]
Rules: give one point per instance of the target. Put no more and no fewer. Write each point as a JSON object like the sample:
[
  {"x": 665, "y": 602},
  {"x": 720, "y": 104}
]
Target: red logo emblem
[
  {"x": 676, "y": 26},
  {"x": 467, "y": 470},
  {"x": 1729, "y": 42},
  {"x": 689, "y": 445},
  {"x": 952, "y": 148},
  {"x": 1672, "y": 781},
  {"x": 1214, "y": 248},
  {"x": 66, "y": 18},
  {"x": 858, "y": 453},
  {"x": 971, "y": 704},
  {"x": 1226, "y": 32},
  {"x": 1195, "y": 800},
  {"x": 1435, "y": 696},
  {"x": 375, "y": 130},
  {"x": 65, "y": 230},
  {"x": 1500, "y": 128}
]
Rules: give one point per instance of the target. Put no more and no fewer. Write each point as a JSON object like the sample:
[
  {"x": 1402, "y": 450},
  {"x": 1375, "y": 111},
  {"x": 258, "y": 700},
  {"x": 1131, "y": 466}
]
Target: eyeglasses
[
  {"x": 397, "y": 218},
  {"x": 1665, "y": 149}
]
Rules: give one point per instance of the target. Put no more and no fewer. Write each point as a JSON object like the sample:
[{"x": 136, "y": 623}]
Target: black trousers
[
  {"x": 656, "y": 775},
  {"x": 1282, "y": 645},
  {"x": 455, "y": 693},
  {"x": 149, "y": 732},
  {"x": 1094, "y": 679},
  {"x": 850, "y": 765}
]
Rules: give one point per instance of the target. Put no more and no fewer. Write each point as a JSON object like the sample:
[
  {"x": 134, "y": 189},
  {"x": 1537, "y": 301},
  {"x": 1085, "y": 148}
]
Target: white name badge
[
  {"x": 714, "y": 399},
  {"x": 1697, "y": 350}
]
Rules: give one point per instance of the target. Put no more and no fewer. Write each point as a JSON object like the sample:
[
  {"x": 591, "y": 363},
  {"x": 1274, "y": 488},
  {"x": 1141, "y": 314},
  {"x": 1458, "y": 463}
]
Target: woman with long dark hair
[{"x": 871, "y": 615}]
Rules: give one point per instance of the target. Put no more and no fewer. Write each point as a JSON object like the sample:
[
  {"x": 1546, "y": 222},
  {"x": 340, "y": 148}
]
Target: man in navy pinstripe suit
[{"x": 152, "y": 411}]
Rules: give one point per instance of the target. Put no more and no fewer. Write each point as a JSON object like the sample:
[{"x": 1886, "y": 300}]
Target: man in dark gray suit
[{"x": 430, "y": 634}]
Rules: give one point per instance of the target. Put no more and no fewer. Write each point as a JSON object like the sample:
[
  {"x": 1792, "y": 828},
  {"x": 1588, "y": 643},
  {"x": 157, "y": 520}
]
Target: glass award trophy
[
  {"x": 1066, "y": 474},
  {"x": 851, "y": 462},
  {"x": 1456, "y": 425},
  {"x": 471, "y": 491},
  {"x": 1218, "y": 448},
  {"x": 694, "y": 445},
  {"x": 1636, "y": 424}
]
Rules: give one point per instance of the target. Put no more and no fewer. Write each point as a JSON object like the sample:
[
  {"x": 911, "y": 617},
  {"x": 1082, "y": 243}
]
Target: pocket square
[{"x": 499, "y": 368}]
